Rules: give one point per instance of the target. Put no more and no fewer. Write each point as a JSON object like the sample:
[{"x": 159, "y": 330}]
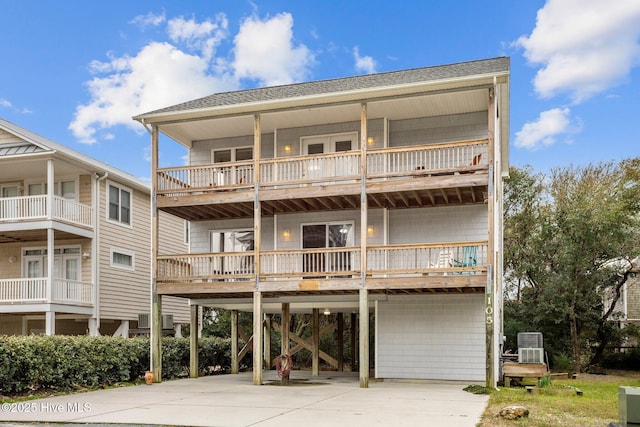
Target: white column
[{"x": 50, "y": 322}]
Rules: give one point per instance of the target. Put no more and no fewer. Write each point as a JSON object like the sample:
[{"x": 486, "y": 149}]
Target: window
[
  {"x": 230, "y": 175},
  {"x": 66, "y": 189},
  {"x": 187, "y": 230},
  {"x": 122, "y": 259},
  {"x": 119, "y": 204}
]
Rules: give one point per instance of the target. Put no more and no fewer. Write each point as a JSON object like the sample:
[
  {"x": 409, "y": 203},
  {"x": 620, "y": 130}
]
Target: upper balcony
[
  {"x": 15, "y": 212},
  {"x": 452, "y": 173}
]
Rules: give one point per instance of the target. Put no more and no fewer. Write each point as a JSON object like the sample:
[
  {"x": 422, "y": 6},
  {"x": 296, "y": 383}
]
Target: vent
[
  {"x": 530, "y": 340},
  {"x": 167, "y": 321},
  {"x": 143, "y": 321},
  {"x": 530, "y": 355}
]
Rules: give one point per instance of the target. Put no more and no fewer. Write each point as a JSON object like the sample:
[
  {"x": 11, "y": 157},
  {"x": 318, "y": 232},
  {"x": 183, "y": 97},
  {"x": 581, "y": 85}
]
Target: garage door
[{"x": 431, "y": 337}]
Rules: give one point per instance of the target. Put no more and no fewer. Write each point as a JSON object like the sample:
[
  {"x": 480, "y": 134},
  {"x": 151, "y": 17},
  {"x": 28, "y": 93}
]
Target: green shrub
[
  {"x": 65, "y": 362},
  {"x": 562, "y": 363},
  {"x": 629, "y": 361}
]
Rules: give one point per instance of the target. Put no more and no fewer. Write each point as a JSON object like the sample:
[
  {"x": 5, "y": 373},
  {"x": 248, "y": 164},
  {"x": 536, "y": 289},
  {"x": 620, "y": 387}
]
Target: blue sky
[{"x": 76, "y": 72}]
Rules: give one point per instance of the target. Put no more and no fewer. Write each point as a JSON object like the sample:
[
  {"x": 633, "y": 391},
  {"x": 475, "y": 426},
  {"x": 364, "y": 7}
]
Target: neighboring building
[
  {"x": 75, "y": 241},
  {"x": 372, "y": 194}
]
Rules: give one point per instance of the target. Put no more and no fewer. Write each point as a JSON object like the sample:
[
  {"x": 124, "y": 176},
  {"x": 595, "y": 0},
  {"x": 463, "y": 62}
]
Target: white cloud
[
  {"x": 584, "y": 47},
  {"x": 159, "y": 75},
  {"x": 185, "y": 67},
  {"x": 265, "y": 51},
  {"x": 364, "y": 63},
  {"x": 5, "y": 103},
  {"x": 149, "y": 20},
  {"x": 546, "y": 129},
  {"x": 202, "y": 36}
]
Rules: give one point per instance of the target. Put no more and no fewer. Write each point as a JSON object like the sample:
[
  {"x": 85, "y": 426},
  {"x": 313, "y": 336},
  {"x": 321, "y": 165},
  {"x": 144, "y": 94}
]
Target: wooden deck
[{"x": 522, "y": 370}]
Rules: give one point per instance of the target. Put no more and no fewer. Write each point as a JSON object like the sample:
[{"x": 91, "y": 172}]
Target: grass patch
[{"x": 596, "y": 407}]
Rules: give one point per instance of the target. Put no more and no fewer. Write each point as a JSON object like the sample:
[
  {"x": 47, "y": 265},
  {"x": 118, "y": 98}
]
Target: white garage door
[{"x": 431, "y": 337}]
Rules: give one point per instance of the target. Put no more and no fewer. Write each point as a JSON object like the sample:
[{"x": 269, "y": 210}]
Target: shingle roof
[{"x": 369, "y": 81}]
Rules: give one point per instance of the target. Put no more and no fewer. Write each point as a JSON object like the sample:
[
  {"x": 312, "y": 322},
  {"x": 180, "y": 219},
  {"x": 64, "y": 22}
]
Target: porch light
[
  {"x": 287, "y": 149},
  {"x": 12, "y": 259},
  {"x": 370, "y": 230},
  {"x": 286, "y": 234},
  {"x": 86, "y": 255},
  {"x": 326, "y": 312},
  {"x": 370, "y": 140}
]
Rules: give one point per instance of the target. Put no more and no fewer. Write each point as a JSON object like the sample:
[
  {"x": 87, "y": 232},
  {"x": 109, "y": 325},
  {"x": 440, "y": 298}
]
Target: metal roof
[{"x": 19, "y": 148}]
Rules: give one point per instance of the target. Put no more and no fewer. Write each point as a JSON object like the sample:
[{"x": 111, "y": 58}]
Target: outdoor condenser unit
[
  {"x": 629, "y": 406},
  {"x": 530, "y": 348},
  {"x": 144, "y": 321}
]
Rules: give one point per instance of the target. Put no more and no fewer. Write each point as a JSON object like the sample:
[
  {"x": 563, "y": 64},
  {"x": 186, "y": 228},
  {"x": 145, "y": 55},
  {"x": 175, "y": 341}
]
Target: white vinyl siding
[{"x": 438, "y": 337}]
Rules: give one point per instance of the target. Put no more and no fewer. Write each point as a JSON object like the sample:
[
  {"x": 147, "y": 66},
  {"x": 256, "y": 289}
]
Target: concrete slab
[{"x": 232, "y": 400}]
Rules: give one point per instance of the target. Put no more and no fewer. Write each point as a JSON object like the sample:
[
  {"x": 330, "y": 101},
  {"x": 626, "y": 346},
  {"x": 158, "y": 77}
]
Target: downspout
[{"x": 95, "y": 249}]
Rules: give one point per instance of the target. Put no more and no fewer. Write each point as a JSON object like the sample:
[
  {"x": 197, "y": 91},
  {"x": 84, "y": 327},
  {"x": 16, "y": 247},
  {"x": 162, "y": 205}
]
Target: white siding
[
  {"x": 429, "y": 130},
  {"x": 439, "y": 337},
  {"x": 443, "y": 224}
]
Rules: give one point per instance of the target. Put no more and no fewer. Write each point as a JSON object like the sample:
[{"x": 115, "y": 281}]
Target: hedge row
[{"x": 64, "y": 362}]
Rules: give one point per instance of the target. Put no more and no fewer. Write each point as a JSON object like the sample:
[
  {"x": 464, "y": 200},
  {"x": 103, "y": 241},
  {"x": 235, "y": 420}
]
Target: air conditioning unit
[
  {"x": 167, "y": 321},
  {"x": 629, "y": 406},
  {"x": 530, "y": 340},
  {"x": 143, "y": 321},
  {"x": 530, "y": 355}
]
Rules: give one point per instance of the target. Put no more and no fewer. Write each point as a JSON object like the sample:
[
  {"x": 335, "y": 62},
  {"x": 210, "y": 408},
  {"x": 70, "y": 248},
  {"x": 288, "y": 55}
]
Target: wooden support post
[
  {"x": 257, "y": 338},
  {"x": 286, "y": 327},
  {"x": 490, "y": 294},
  {"x": 364, "y": 338},
  {"x": 340, "y": 338},
  {"x": 156, "y": 338},
  {"x": 354, "y": 348},
  {"x": 156, "y": 300},
  {"x": 235, "y": 363},
  {"x": 315, "y": 339},
  {"x": 267, "y": 341},
  {"x": 193, "y": 342}
]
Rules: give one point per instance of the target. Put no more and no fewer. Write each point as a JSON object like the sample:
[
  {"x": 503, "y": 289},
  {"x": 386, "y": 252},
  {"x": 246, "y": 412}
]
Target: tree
[{"x": 560, "y": 231}]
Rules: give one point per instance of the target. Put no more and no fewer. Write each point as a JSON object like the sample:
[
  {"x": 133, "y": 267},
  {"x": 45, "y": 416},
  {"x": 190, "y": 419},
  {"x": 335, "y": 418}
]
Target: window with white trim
[
  {"x": 122, "y": 259},
  {"x": 119, "y": 204}
]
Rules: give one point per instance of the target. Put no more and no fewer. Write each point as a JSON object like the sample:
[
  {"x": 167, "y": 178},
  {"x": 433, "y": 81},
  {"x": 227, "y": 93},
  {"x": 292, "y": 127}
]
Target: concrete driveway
[{"x": 231, "y": 400}]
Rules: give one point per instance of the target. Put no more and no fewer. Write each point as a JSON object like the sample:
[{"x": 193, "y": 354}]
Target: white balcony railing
[
  {"x": 30, "y": 208},
  {"x": 34, "y": 290},
  {"x": 311, "y": 262},
  {"x": 326, "y": 168}
]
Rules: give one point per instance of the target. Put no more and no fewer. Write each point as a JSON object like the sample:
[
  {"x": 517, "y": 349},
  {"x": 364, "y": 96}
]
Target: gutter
[{"x": 95, "y": 247}]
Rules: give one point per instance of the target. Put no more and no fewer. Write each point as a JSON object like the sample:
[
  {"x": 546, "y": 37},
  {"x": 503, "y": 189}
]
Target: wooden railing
[
  {"x": 311, "y": 262},
  {"x": 390, "y": 162},
  {"x": 34, "y": 290},
  {"x": 326, "y": 168},
  {"x": 26, "y": 208},
  {"x": 344, "y": 165},
  {"x": 390, "y": 260},
  {"x": 411, "y": 259}
]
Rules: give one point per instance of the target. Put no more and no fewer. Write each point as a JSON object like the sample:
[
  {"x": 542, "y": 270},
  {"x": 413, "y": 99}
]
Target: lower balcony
[
  {"x": 460, "y": 265},
  {"x": 34, "y": 291}
]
